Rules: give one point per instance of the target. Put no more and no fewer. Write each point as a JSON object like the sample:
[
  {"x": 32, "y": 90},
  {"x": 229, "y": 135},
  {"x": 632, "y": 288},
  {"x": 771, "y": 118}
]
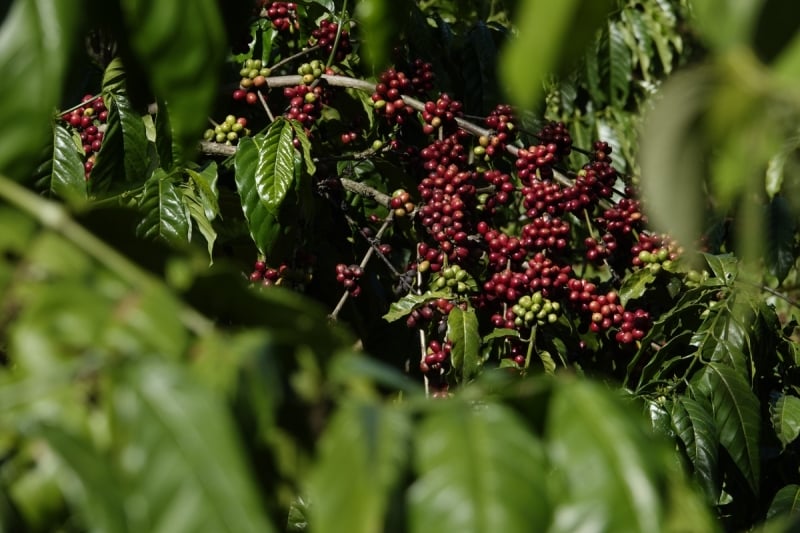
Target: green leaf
[
  {"x": 611, "y": 467},
  {"x": 99, "y": 499},
  {"x": 180, "y": 455},
  {"x": 785, "y": 502},
  {"x": 462, "y": 330},
  {"x": 168, "y": 153},
  {"x": 68, "y": 180},
  {"x": 362, "y": 456},
  {"x": 123, "y": 156},
  {"x": 635, "y": 285},
  {"x": 558, "y": 33},
  {"x": 165, "y": 215},
  {"x": 779, "y": 252},
  {"x": 785, "y": 416},
  {"x": 620, "y": 66},
  {"x": 409, "y": 302},
  {"x": 693, "y": 423},
  {"x": 181, "y": 46},
  {"x": 305, "y": 144},
  {"x": 726, "y": 25},
  {"x": 500, "y": 333},
  {"x": 479, "y": 470},
  {"x": 113, "y": 78},
  {"x": 736, "y": 415},
  {"x": 724, "y": 267},
  {"x": 36, "y": 40},
  {"x": 197, "y": 211},
  {"x": 205, "y": 182}
]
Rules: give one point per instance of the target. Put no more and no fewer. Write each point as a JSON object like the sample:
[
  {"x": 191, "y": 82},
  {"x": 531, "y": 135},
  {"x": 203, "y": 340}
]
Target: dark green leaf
[
  {"x": 164, "y": 212},
  {"x": 724, "y": 267},
  {"x": 181, "y": 46},
  {"x": 113, "y": 78},
  {"x": 68, "y": 181},
  {"x": 479, "y": 470},
  {"x": 205, "y": 183},
  {"x": 305, "y": 144},
  {"x": 409, "y": 302},
  {"x": 182, "y": 459},
  {"x": 37, "y": 39},
  {"x": 779, "y": 253},
  {"x": 100, "y": 499},
  {"x": 361, "y": 458},
  {"x": 785, "y": 415},
  {"x": 785, "y": 502},
  {"x": 168, "y": 153},
  {"x": 123, "y": 154},
  {"x": 462, "y": 330},
  {"x": 635, "y": 285},
  {"x": 619, "y": 71},
  {"x": 693, "y": 422},
  {"x": 500, "y": 333},
  {"x": 736, "y": 415}
]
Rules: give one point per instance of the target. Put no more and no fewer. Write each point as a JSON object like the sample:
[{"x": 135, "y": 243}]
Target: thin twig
[
  {"x": 367, "y": 256},
  {"x": 265, "y": 106}
]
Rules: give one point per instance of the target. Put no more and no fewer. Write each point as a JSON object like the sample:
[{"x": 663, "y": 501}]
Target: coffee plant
[{"x": 358, "y": 268}]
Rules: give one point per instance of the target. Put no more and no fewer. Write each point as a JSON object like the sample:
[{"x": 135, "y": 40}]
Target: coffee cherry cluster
[
  {"x": 282, "y": 276},
  {"x": 421, "y": 76},
  {"x": 324, "y": 36},
  {"x": 311, "y": 71},
  {"x": 305, "y": 104},
  {"x": 89, "y": 121},
  {"x": 348, "y": 277},
  {"x": 556, "y": 133},
  {"x": 503, "y": 185},
  {"x": 655, "y": 251},
  {"x": 431, "y": 312},
  {"x": 437, "y": 357},
  {"x": 401, "y": 203},
  {"x": 441, "y": 114},
  {"x": 535, "y": 309},
  {"x": 387, "y": 98},
  {"x": 455, "y": 279},
  {"x": 254, "y": 77},
  {"x": 282, "y": 14},
  {"x": 501, "y": 121},
  {"x": 229, "y": 131}
]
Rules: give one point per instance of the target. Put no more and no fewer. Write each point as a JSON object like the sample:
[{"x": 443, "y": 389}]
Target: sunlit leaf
[
  {"x": 635, "y": 285},
  {"x": 479, "y": 470},
  {"x": 361, "y": 458},
  {"x": 409, "y": 302}
]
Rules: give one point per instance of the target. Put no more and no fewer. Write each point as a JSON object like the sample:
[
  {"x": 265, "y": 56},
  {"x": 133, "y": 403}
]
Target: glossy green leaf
[
  {"x": 168, "y": 153},
  {"x": 36, "y": 41},
  {"x": 479, "y": 470},
  {"x": 198, "y": 211},
  {"x": 165, "y": 215},
  {"x": 635, "y": 285},
  {"x": 610, "y": 465},
  {"x": 113, "y": 78},
  {"x": 785, "y": 417},
  {"x": 736, "y": 415},
  {"x": 785, "y": 502},
  {"x": 779, "y": 247},
  {"x": 68, "y": 180},
  {"x": 411, "y": 301},
  {"x": 99, "y": 497},
  {"x": 305, "y": 145},
  {"x": 205, "y": 183},
  {"x": 724, "y": 267},
  {"x": 619, "y": 66},
  {"x": 362, "y": 456},
  {"x": 181, "y": 460},
  {"x": 499, "y": 333},
  {"x": 462, "y": 331},
  {"x": 123, "y": 158},
  {"x": 693, "y": 423},
  {"x": 181, "y": 46}
]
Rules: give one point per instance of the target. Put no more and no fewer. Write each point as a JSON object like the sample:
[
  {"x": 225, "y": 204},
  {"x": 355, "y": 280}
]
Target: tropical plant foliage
[{"x": 374, "y": 297}]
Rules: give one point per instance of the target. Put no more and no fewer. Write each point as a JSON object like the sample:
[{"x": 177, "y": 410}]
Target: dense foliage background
[{"x": 388, "y": 266}]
